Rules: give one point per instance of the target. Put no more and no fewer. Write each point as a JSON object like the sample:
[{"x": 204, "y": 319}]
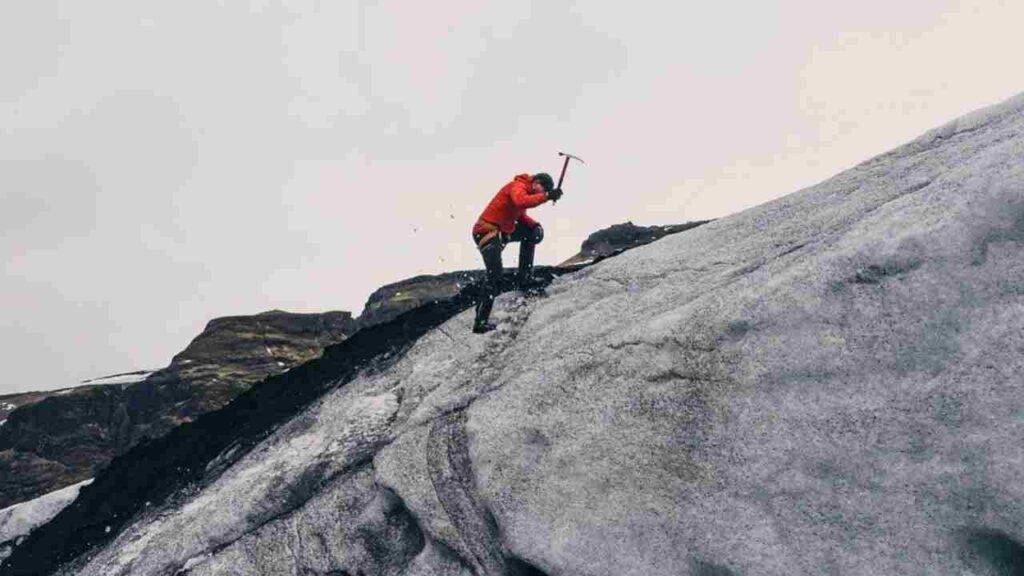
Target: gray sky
[{"x": 164, "y": 163}]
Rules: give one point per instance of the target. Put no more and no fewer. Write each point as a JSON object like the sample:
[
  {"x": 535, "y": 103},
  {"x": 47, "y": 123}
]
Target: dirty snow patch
[{"x": 18, "y": 520}]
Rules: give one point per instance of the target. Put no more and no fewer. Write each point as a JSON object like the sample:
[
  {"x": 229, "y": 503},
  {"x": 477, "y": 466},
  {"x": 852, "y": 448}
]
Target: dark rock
[
  {"x": 247, "y": 349},
  {"x": 619, "y": 237},
  {"x": 10, "y": 402},
  {"x": 389, "y": 301}
]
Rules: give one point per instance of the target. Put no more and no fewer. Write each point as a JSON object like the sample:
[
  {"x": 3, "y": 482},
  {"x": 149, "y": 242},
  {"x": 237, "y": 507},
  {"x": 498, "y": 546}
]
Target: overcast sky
[{"x": 164, "y": 163}]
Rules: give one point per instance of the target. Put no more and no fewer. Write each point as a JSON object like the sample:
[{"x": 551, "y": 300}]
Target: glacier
[{"x": 826, "y": 383}]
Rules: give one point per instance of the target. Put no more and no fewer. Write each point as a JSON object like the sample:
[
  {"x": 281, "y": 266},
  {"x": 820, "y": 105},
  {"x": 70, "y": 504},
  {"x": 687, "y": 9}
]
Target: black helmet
[{"x": 545, "y": 181}]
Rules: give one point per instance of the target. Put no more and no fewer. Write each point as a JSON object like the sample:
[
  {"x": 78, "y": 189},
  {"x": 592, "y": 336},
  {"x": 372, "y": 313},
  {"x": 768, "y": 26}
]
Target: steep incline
[
  {"x": 827, "y": 383},
  {"x": 197, "y": 453},
  {"x": 75, "y": 434}
]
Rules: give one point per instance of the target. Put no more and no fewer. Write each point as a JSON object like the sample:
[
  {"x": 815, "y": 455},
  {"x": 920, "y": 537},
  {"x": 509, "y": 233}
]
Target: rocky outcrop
[
  {"x": 827, "y": 383},
  {"x": 621, "y": 237},
  {"x": 391, "y": 300},
  {"x": 242, "y": 350},
  {"x": 56, "y": 439}
]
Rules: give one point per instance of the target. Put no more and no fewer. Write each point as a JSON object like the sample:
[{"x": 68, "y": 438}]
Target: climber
[{"x": 503, "y": 221}]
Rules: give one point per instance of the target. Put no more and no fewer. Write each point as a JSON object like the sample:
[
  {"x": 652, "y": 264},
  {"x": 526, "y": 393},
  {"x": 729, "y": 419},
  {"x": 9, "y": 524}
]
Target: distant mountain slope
[
  {"x": 241, "y": 350},
  {"x": 9, "y": 402},
  {"x": 58, "y": 438}
]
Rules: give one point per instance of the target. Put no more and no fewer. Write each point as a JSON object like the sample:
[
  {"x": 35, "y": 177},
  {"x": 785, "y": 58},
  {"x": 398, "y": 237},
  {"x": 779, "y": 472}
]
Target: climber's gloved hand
[{"x": 555, "y": 194}]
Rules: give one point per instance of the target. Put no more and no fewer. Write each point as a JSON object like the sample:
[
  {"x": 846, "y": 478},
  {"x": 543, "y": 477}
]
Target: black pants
[{"x": 491, "y": 252}]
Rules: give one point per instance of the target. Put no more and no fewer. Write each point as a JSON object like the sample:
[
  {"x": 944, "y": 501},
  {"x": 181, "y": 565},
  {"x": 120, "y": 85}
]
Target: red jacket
[{"x": 509, "y": 206}]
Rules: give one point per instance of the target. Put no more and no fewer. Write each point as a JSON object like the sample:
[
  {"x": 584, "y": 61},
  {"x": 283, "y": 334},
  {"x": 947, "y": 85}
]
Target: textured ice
[{"x": 827, "y": 383}]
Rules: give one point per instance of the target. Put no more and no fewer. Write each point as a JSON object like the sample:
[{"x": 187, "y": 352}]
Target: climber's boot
[{"x": 483, "y": 327}]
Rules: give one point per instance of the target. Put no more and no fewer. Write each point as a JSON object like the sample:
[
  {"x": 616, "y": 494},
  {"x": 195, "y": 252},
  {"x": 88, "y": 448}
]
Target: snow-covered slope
[
  {"x": 17, "y": 521},
  {"x": 827, "y": 383}
]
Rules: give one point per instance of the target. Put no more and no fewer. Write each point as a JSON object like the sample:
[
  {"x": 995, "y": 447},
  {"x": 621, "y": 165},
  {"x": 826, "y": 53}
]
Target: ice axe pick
[{"x": 565, "y": 165}]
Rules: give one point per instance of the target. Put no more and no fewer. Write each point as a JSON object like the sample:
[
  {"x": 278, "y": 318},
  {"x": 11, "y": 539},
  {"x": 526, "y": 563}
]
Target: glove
[{"x": 555, "y": 194}]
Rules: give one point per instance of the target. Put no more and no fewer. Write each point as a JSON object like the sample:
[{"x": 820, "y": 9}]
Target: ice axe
[{"x": 564, "y": 166}]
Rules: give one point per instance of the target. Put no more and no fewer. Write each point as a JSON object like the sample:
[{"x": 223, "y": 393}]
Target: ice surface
[{"x": 827, "y": 383}]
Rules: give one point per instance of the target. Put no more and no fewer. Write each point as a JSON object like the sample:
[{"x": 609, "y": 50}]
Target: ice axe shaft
[{"x": 565, "y": 165}]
